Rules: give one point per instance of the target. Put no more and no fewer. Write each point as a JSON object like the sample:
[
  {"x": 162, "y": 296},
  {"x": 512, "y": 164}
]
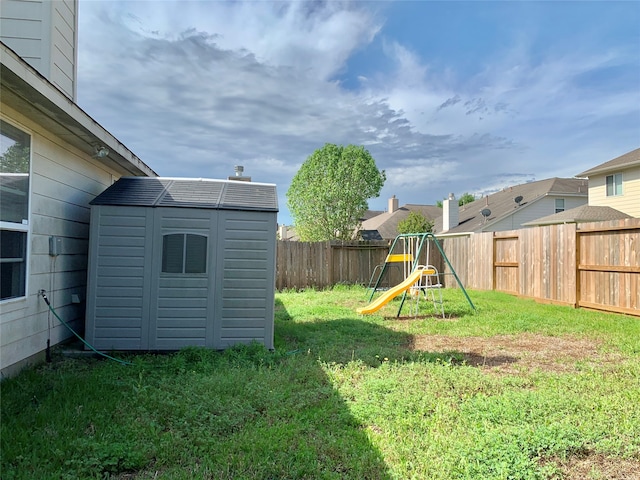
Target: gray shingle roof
[
  {"x": 627, "y": 160},
  {"x": 503, "y": 203},
  {"x": 190, "y": 193},
  {"x": 385, "y": 225},
  {"x": 583, "y": 213}
]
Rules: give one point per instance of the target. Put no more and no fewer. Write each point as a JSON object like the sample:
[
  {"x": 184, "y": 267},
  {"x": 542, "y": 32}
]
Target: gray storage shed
[{"x": 181, "y": 262}]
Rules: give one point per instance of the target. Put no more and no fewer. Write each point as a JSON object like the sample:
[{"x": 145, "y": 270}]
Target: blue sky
[{"x": 447, "y": 96}]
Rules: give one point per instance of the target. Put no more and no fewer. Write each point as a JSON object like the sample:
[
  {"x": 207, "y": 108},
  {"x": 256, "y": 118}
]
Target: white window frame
[
  {"x": 558, "y": 208},
  {"x": 616, "y": 181},
  {"x": 25, "y": 226}
]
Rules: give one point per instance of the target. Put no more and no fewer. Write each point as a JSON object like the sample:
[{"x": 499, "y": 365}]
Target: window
[
  {"x": 614, "y": 185},
  {"x": 184, "y": 253},
  {"x": 559, "y": 205},
  {"x": 15, "y": 153}
]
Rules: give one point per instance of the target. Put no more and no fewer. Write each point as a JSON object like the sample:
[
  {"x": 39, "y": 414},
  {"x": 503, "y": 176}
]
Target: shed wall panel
[
  {"x": 247, "y": 283},
  {"x": 115, "y": 306},
  {"x": 183, "y": 298}
]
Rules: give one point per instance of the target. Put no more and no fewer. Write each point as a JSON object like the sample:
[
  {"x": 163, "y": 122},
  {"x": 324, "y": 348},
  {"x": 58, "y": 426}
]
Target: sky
[{"x": 449, "y": 96}]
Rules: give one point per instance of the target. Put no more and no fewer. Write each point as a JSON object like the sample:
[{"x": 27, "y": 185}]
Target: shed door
[{"x": 184, "y": 259}]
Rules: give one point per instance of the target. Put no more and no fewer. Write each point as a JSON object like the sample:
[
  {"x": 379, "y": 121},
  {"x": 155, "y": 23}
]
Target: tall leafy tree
[
  {"x": 415, "y": 223},
  {"x": 328, "y": 195}
]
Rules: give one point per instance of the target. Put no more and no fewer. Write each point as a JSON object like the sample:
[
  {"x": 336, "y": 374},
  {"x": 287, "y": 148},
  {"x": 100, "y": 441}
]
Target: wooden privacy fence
[
  {"x": 323, "y": 264},
  {"x": 593, "y": 265}
]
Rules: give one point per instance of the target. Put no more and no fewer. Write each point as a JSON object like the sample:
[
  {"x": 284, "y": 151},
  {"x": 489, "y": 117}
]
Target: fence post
[
  {"x": 329, "y": 264},
  {"x": 577, "y": 266}
]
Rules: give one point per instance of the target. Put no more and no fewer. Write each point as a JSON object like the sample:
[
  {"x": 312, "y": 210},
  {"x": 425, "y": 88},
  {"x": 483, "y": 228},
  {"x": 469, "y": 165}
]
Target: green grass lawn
[{"x": 346, "y": 396}]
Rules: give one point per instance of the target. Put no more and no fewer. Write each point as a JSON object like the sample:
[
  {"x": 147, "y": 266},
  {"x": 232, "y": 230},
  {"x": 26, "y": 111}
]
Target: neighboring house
[
  {"x": 54, "y": 159},
  {"x": 384, "y": 225},
  {"x": 616, "y": 183},
  {"x": 512, "y": 207},
  {"x": 581, "y": 214},
  {"x": 287, "y": 233}
]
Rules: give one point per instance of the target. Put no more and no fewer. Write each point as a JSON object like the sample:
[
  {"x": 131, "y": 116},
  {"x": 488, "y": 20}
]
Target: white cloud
[{"x": 195, "y": 88}]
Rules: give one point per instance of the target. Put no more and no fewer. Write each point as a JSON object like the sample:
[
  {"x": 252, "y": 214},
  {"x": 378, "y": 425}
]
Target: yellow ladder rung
[{"x": 399, "y": 258}]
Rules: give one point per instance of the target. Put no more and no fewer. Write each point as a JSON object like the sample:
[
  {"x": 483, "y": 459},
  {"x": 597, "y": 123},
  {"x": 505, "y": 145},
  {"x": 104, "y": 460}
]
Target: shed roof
[{"x": 190, "y": 193}]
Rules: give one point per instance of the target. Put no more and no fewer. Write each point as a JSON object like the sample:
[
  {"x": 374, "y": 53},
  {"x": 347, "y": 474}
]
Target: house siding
[
  {"x": 63, "y": 180},
  {"x": 44, "y": 34},
  {"x": 536, "y": 209},
  {"x": 628, "y": 202}
]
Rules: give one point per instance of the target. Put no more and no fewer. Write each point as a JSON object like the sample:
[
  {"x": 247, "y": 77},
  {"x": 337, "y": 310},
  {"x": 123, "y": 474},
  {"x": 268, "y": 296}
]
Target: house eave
[
  {"x": 608, "y": 169},
  {"x": 28, "y": 92},
  {"x": 455, "y": 234}
]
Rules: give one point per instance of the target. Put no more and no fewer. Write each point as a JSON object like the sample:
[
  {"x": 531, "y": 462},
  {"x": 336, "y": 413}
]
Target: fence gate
[
  {"x": 609, "y": 267},
  {"x": 506, "y": 262}
]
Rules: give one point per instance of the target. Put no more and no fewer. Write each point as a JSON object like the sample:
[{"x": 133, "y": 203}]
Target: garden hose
[{"x": 91, "y": 347}]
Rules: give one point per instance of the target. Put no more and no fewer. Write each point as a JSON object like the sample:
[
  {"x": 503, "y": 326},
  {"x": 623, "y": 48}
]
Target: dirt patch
[
  {"x": 597, "y": 467},
  {"x": 517, "y": 353}
]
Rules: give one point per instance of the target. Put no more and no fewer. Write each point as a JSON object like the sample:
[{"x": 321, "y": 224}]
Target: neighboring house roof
[
  {"x": 502, "y": 203},
  {"x": 370, "y": 214},
  {"x": 630, "y": 159},
  {"x": 385, "y": 225},
  {"x": 27, "y": 91},
  {"x": 583, "y": 213}
]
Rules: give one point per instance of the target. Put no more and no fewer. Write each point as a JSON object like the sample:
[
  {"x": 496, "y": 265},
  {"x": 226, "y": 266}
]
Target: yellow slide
[{"x": 390, "y": 294}]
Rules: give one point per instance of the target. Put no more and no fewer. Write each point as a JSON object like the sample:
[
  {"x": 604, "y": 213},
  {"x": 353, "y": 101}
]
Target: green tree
[
  {"x": 464, "y": 199},
  {"x": 328, "y": 195},
  {"x": 415, "y": 223}
]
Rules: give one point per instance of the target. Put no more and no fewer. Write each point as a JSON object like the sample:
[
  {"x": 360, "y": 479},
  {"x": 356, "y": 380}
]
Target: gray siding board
[
  {"x": 183, "y": 332},
  {"x": 122, "y": 291},
  {"x": 171, "y": 322},
  {"x": 129, "y": 282},
  {"x": 122, "y": 322}
]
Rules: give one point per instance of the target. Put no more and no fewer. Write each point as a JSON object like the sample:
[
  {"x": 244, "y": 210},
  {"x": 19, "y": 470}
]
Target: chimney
[
  {"x": 282, "y": 231},
  {"x": 393, "y": 204},
  {"x": 450, "y": 210}
]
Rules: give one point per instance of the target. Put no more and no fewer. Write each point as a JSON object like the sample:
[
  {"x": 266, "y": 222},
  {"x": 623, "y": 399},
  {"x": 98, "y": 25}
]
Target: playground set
[{"x": 419, "y": 280}]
